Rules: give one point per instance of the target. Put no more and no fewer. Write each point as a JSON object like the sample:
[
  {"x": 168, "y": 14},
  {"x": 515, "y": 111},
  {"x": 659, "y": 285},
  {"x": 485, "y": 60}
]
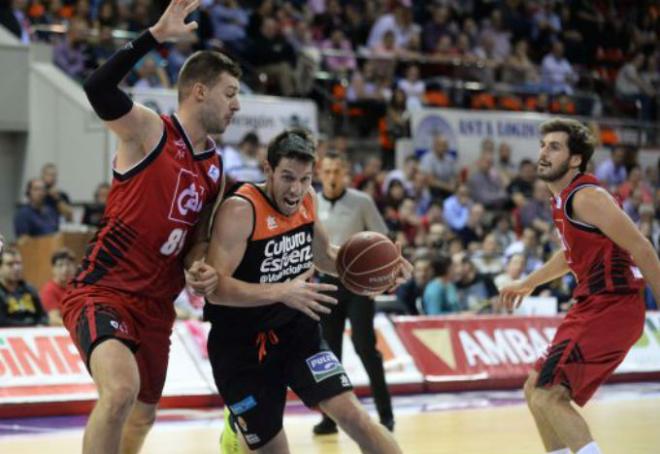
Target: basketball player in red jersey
[
  {"x": 167, "y": 176},
  {"x": 608, "y": 256},
  {"x": 265, "y": 242}
]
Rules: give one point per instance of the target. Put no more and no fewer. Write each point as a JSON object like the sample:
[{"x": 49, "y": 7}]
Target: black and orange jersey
[{"x": 279, "y": 248}]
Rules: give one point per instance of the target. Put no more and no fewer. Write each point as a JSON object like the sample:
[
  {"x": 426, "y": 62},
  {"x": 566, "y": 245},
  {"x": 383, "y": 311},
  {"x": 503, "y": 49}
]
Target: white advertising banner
[
  {"x": 266, "y": 115},
  {"x": 466, "y": 129},
  {"x": 399, "y": 365},
  {"x": 43, "y": 365}
]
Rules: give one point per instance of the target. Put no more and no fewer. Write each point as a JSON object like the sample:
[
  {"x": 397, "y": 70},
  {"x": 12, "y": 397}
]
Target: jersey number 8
[{"x": 174, "y": 243}]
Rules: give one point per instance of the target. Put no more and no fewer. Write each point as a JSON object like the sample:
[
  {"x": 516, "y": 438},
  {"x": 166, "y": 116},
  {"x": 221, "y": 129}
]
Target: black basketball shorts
[{"x": 252, "y": 374}]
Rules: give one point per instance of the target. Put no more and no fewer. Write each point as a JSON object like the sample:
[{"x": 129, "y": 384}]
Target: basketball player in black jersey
[{"x": 265, "y": 335}]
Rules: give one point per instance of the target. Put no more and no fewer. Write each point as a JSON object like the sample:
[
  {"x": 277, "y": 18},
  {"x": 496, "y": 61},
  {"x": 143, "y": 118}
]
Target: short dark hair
[
  {"x": 28, "y": 185},
  {"x": 294, "y": 143},
  {"x": 205, "y": 66},
  {"x": 580, "y": 142},
  {"x": 61, "y": 254},
  {"x": 251, "y": 138},
  {"x": 441, "y": 264},
  {"x": 525, "y": 162},
  {"x": 335, "y": 155}
]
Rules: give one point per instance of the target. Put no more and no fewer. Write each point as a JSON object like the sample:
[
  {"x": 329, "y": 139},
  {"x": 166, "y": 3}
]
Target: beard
[
  {"x": 554, "y": 174},
  {"x": 212, "y": 123}
]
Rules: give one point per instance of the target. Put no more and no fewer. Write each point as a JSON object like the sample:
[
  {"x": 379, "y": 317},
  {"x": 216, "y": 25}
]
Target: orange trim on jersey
[{"x": 268, "y": 221}]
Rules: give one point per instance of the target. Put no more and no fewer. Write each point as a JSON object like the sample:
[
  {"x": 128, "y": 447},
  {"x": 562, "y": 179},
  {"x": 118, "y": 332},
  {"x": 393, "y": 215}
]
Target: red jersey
[
  {"x": 599, "y": 265},
  {"x": 51, "y": 295},
  {"x": 150, "y": 216}
]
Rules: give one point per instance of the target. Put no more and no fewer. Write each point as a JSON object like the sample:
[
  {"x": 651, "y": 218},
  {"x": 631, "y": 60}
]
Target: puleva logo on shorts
[
  {"x": 323, "y": 365},
  {"x": 244, "y": 405},
  {"x": 188, "y": 199}
]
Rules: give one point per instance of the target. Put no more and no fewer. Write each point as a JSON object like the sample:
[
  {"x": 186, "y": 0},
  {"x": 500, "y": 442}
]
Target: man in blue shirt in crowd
[{"x": 36, "y": 218}]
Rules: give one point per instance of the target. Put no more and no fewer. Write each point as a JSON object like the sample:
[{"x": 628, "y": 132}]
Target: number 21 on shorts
[{"x": 175, "y": 242}]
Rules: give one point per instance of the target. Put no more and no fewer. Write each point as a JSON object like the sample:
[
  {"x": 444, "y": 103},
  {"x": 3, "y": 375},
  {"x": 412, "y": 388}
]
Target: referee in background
[{"x": 344, "y": 212}]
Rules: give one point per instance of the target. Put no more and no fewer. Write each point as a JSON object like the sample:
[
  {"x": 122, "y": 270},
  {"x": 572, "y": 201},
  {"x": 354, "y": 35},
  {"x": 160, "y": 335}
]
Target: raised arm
[
  {"x": 139, "y": 129},
  {"x": 596, "y": 207},
  {"x": 232, "y": 227}
]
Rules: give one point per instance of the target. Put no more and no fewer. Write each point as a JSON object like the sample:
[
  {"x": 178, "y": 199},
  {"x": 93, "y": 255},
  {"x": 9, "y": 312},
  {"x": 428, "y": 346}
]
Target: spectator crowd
[
  {"x": 545, "y": 52},
  {"x": 467, "y": 230}
]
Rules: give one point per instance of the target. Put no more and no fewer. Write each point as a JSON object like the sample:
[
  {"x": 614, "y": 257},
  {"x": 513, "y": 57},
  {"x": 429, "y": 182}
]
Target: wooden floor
[{"x": 620, "y": 426}]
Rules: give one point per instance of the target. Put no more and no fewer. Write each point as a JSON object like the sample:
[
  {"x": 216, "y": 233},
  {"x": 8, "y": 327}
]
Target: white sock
[
  {"x": 561, "y": 451},
  {"x": 589, "y": 448}
]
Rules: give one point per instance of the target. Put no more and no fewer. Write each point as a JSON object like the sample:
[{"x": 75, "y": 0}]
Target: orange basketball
[{"x": 368, "y": 263}]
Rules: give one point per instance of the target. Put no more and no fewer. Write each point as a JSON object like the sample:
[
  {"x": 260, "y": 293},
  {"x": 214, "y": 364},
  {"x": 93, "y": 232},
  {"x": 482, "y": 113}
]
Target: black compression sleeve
[{"x": 101, "y": 87}]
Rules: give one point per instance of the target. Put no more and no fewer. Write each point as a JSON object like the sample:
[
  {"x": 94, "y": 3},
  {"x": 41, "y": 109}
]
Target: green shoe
[{"x": 229, "y": 443}]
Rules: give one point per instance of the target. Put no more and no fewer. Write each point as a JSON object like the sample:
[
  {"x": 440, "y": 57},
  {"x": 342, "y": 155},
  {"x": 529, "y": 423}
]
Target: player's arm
[
  {"x": 232, "y": 227},
  {"x": 200, "y": 239},
  {"x": 325, "y": 253},
  {"x": 139, "y": 129},
  {"x": 596, "y": 207},
  {"x": 553, "y": 269},
  {"x": 202, "y": 232},
  {"x": 512, "y": 295}
]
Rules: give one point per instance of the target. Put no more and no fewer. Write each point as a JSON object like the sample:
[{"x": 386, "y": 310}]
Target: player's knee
[
  {"x": 559, "y": 394},
  {"x": 143, "y": 420},
  {"x": 537, "y": 398},
  {"x": 544, "y": 399},
  {"x": 118, "y": 399},
  {"x": 353, "y": 417}
]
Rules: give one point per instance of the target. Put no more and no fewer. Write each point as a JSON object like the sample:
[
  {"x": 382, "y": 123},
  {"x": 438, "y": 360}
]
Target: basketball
[{"x": 368, "y": 263}]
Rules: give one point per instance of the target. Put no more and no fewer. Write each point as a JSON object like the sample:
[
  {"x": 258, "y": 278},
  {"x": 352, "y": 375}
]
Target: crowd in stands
[
  {"x": 468, "y": 231},
  {"x": 545, "y": 52}
]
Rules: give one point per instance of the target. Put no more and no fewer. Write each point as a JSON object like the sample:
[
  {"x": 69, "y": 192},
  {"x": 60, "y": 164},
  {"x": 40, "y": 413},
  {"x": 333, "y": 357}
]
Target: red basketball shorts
[
  {"x": 591, "y": 342},
  {"x": 93, "y": 314}
]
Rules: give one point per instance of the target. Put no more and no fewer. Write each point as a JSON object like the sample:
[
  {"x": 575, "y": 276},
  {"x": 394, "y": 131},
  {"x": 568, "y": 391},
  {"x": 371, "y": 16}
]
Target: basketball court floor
[{"x": 625, "y": 419}]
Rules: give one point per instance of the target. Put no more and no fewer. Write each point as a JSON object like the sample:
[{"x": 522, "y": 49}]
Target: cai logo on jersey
[
  {"x": 188, "y": 199},
  {"x": 286, "y": 256}
]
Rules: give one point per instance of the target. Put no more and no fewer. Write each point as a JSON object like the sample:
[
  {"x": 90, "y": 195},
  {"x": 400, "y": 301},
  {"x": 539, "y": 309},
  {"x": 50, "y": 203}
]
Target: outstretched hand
[
  {"x": 512, "y": 295},
  {"x": 171, "y": 24},
  {"x": 307, "y": 296}
]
